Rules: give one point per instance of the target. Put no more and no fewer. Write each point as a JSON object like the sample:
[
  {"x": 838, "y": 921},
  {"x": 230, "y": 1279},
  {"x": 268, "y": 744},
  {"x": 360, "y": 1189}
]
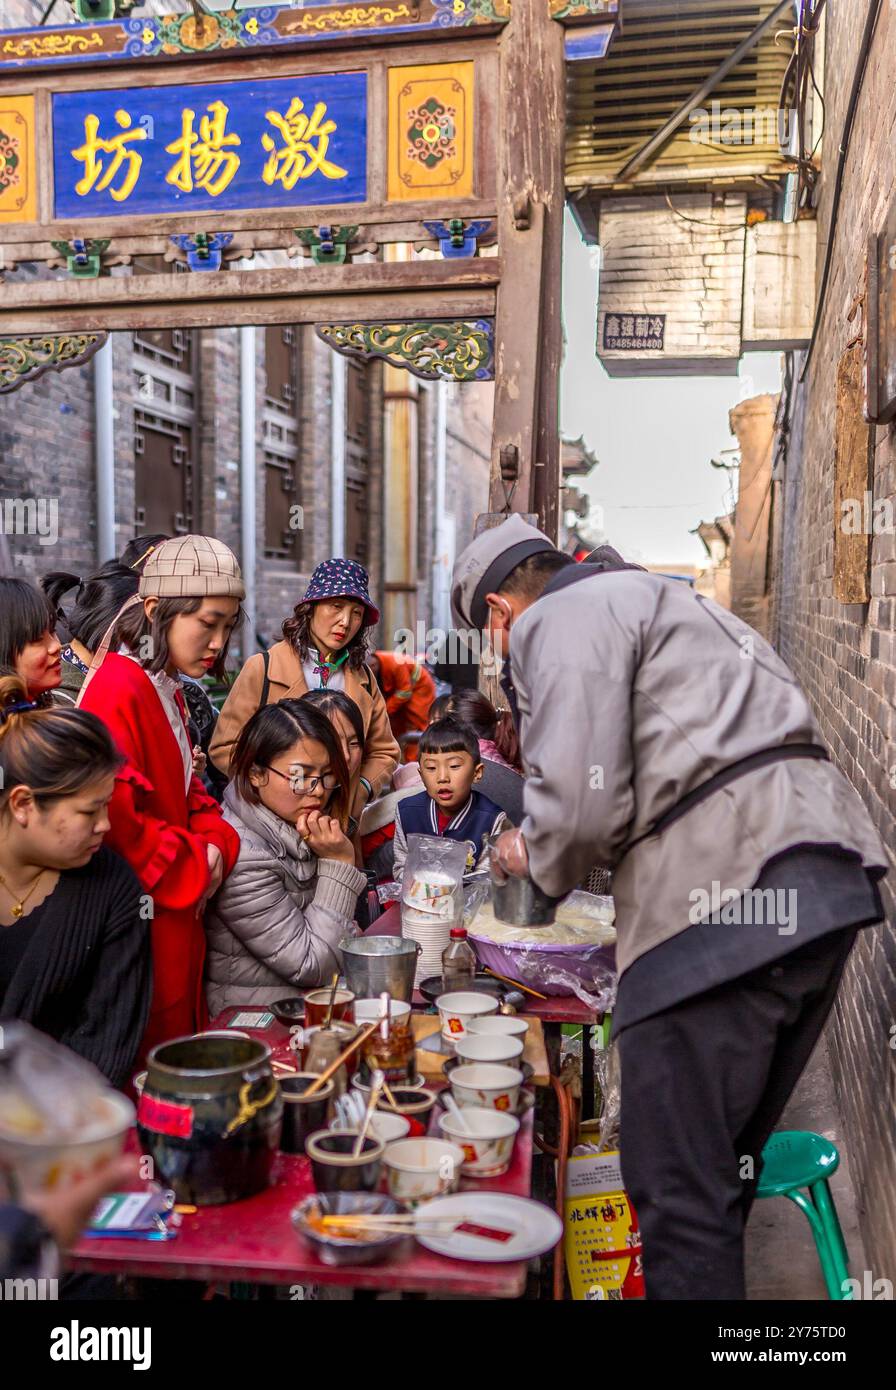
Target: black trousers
[{"x": 703, "y": 1086}]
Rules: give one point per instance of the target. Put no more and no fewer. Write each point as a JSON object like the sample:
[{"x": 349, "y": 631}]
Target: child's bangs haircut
[{"x": 449, "y": 736}]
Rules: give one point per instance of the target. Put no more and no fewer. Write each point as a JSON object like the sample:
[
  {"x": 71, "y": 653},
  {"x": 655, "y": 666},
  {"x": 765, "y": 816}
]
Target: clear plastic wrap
[
  {"x": 432, "y": 881},
  {"x": 46, "y": 1091},
  {"x": 573, "y": 955},
  {"x": 608, "y": 1075},
  {"x": 59, "y": 1117},
  {"x": 432, "y": 897}
]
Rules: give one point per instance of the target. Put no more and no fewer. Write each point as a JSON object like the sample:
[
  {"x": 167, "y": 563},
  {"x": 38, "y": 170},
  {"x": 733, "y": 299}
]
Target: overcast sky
[{"x": 653, "y": 437}]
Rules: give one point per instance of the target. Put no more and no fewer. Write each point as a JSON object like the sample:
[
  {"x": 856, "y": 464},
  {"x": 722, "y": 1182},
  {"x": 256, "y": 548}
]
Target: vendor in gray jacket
[
  {"x": 275, "y": 924},
  {"x": 663, "y": 737}
]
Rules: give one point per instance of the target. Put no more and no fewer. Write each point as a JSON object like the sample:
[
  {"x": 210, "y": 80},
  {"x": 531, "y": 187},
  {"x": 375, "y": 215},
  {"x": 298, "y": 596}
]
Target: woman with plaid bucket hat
[
  {"x": 324, "y": 647},
  {"x": 164, "y": 824}
]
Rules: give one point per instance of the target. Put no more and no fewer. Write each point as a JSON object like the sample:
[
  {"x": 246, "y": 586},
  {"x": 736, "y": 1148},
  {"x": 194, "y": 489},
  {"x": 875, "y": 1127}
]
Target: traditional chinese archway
[{"x": 328, "y": 131}]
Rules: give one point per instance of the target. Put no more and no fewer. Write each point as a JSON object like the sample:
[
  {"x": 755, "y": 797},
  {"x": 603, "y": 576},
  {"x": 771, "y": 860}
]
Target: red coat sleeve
[
  {"x": 206, "y": 820},
  {"x": 170, "y": 860}
]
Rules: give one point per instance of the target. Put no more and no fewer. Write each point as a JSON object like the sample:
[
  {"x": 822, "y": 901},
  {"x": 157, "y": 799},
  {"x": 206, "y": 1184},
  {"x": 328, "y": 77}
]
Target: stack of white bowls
[{"x": 429, "y": 922}]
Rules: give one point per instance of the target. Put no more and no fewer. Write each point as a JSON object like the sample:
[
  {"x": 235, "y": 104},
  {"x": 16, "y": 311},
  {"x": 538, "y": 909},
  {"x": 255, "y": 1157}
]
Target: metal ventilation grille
[{"x": 665, "y": 50}]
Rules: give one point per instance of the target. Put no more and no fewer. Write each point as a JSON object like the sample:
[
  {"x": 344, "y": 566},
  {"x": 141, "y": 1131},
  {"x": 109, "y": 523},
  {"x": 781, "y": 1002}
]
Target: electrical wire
[{"x": 874, "y": 8}]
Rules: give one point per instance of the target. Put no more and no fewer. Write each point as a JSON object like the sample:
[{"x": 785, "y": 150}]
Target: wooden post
[{"x": 532, "y": 114}]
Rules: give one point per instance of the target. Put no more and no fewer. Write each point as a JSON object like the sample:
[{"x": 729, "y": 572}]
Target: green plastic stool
[{"x": 794, "y": 1159}]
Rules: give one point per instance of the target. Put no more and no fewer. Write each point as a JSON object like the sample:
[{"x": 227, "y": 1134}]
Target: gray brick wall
[
  {"x": 46, "y": 452},
  {"x": 845, "y": 655}
]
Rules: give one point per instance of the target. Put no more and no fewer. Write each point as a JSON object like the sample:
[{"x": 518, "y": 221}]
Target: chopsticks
[
  {"x": 516, "y": 984},
  {"x": 334, "y": 1066},
  {"x": 385, "y": 1222}
]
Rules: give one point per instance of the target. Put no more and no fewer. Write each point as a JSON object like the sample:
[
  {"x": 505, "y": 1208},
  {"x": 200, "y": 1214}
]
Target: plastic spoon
[{"x": 455, "y": 1112}]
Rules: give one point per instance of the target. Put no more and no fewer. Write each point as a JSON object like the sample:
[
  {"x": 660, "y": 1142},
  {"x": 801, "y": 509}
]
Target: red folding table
[{"x": 254, "y": 1240}]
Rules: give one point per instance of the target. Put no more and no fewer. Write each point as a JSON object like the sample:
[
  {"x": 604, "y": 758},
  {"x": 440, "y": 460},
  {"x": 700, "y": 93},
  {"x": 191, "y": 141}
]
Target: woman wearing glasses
[{"x": 275, "y": 924}]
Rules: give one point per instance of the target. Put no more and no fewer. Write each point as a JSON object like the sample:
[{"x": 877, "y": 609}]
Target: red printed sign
[
  {"x": 165, "y": 1116},
  {"x": 471, "y": 1228}
]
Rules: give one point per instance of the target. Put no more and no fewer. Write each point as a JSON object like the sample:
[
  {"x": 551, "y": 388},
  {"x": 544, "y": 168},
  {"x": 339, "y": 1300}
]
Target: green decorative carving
[
  {"x": 201, "y": 32},
  {"x": 84, "y": 259},
  {"x": 91, "y": 11},
  {"x": 328, "y": 244},
  {"x": 25, "y": 359},
  {"x": 481, "y": 11},
  {"x": 578, "y": 11},
  {"x": 448, "y": 349}
]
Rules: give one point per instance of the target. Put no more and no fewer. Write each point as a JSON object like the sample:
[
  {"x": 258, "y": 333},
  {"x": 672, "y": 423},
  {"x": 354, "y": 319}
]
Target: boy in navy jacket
[{"x": 450, "y": 764}]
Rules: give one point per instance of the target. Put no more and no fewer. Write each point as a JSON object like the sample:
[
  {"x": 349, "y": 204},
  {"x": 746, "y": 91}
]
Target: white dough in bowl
[{"x": 583, "y": 919}]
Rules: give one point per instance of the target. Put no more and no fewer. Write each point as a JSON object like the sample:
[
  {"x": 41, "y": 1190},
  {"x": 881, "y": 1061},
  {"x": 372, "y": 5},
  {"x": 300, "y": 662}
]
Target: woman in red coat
[{"x": 163, "y": 823}]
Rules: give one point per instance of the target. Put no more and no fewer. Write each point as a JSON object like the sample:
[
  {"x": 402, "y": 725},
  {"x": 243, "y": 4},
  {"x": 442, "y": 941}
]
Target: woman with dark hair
[
  {"x": 276, "y": 923},
  {"x": 501, "y": 781},
  {"x": 74, "y": 946},
  {"x": 29, "y": 647},
  {"x": 137, "y": 551},
  {"x": 86, "y": 617},
  {"x": 347, "y": 721},
  {"x": 83, "y": 624},
  {"x": 170, "y": 831},
  {"x": 324, "y": 646}
]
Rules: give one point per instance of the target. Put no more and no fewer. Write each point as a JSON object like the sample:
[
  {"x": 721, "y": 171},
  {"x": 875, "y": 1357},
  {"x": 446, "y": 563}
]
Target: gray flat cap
[{"x": 482, "y": 568}]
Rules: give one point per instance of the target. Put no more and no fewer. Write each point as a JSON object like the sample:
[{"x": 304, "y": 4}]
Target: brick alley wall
[{"x": 845, "y": 655}]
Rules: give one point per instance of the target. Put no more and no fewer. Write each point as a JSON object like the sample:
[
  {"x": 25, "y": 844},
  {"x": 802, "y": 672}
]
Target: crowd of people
[{"x": 161, "y": 859}]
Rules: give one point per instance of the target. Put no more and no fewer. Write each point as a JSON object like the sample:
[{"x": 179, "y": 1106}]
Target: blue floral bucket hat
[{"x": 342, "y": 579}]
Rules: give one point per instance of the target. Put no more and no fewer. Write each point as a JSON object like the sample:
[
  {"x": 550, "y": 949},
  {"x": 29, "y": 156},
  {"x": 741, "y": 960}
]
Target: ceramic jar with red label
[{"x": 209, "y": 1116}]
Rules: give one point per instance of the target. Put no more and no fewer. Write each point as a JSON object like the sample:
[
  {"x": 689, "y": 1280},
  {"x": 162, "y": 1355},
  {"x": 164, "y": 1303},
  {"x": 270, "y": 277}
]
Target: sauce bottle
[{"x": 458, "y": 962}]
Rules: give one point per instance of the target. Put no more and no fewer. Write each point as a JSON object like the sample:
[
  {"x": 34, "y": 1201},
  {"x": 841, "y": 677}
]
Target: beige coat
[
  {"x": 287, "y": 682},
  {"x": 632, "y": 690}
]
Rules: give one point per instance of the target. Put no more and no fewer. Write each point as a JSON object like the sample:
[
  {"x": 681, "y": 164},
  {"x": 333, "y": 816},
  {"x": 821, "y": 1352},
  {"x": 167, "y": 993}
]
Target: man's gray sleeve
[{"x": 576, "y": 729}]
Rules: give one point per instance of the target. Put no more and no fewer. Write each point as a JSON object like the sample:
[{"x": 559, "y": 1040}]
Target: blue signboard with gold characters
[{"x": 283, "y": 142}]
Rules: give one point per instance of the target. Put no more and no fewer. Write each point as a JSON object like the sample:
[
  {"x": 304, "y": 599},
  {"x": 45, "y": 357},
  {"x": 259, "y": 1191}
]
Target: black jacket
[{"x": 85, "y": 978}]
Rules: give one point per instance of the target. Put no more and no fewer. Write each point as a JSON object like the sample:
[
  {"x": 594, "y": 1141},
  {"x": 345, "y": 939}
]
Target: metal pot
[
  {"x": 209, "y": 1115},
  {"x": 373, "y": 964},
  {"x": 521, "y": 902}
]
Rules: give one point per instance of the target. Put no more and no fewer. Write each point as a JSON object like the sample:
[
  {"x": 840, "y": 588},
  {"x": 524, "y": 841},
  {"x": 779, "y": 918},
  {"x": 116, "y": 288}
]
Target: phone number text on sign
[{"x": 232, "y": 145}]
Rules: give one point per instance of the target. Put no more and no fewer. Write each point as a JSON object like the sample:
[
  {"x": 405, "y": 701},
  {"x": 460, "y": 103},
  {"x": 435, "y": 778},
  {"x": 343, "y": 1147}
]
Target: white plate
[{"x": 536, "y": 1228}]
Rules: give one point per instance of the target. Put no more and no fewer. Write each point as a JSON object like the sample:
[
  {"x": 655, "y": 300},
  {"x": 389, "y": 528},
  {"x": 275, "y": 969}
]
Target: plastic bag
[
  {"x": 432, "y": 881},
  {"x": 46, "y": 1091},
  {"x": 573, "y": 955},
  {"x": 432, "y": 897},
  {"x": 608, "y": 1074}
]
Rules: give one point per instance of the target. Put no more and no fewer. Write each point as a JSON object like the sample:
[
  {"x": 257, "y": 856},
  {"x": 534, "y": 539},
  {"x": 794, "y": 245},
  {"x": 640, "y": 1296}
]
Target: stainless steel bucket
[
  {"x": 522, "y": 903},
  {"x": 373, "y": 964}
]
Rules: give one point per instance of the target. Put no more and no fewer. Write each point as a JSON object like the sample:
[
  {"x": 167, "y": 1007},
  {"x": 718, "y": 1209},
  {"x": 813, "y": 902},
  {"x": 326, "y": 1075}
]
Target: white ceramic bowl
[
  {"x": 389, "y": 1128},
  {"x": 499, "y": 1025},
  {"x": 457, "y": 1010},
  {"x": 484, "y": 1083},
  {"x": 475, "y": 1047},
  {"x": 48, "y": 1165},
  {"x": 366, "y": 1010},
  {"x": 487, "y": 1141},
  {"x": 417, "y": 1169}
]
